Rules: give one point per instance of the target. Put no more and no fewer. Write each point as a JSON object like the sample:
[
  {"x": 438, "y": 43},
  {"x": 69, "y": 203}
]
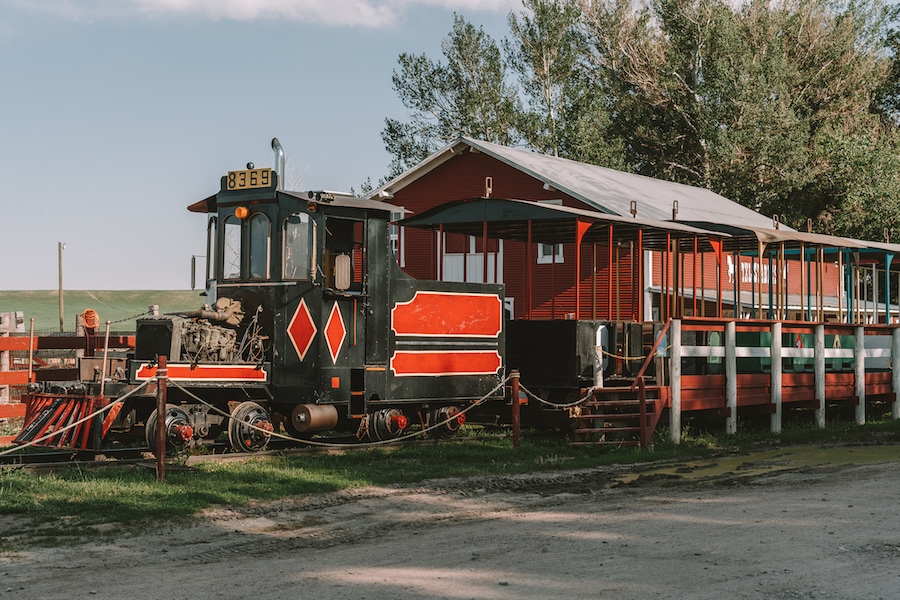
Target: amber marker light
[{"x": 242, "y": 212}]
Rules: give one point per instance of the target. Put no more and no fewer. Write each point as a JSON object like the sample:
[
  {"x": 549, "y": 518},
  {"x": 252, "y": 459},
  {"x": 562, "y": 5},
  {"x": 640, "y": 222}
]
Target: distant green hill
[{"x": 120, "y": 307}]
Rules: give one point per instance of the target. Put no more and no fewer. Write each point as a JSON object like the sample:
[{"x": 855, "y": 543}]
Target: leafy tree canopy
[{"x": 789, "y": 107}]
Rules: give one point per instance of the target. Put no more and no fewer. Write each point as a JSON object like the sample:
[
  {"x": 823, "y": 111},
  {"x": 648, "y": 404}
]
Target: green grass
[
  {"x": 43, "y": 305},
  {"x": 72, "y": 504},
  {"x": 67, "y": 505}
]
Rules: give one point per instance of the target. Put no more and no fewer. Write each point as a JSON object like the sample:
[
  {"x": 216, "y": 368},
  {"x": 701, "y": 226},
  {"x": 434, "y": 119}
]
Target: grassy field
[{"x": 120, "y": 306}]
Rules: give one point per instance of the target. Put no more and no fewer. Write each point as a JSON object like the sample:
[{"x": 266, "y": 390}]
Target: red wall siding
[
  {"x": 796, "y": 275},
  {"x": 553, "y": 286}
]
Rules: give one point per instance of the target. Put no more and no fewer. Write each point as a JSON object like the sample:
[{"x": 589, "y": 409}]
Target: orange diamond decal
[
  {"x": 335, "y": 332},
  {"x": 302, "y": 330}
]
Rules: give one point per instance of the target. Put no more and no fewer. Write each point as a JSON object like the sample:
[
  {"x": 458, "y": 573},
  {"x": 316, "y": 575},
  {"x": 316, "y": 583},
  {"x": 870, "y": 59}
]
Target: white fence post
[
  {"x": 730, "y": 378},
  {"x": 820, "y": 374},
  {"x": 859, "y": 362},
  {"x": 675, "y": 382},
  {"x": 775, "y": 381}
]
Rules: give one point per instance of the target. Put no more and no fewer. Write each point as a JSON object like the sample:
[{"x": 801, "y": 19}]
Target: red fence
[{"x": 18, "y": 375}]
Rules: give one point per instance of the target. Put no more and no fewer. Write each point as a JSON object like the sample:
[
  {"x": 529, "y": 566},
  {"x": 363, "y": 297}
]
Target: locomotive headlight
[{"x": 242, "y": 212}]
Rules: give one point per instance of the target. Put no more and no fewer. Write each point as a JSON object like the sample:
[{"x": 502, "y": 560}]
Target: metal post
[
  {"x": 694, "y": 279},
  {"x": 888, "y": 259},
  {"x": 803, "y": 289},
  {"x": 528, "y": 271},
  {"x": 895, "y": 372},
  {"x": 775, "y": 384},
  {"x": 161, "y": 376},
  {"x": 516, "y": 414},
  {"x": 675, "y": 382},
  {"x": 730, "y": 377},
  {"x": 759, "y": 281},
  {"x": 609, "y": 273},
  {"x": 105, "y": 355},
  {"x": 859, "y": 360},
  {"x": 6, "y": 320},
  {"x": 553, "y": 281},
  {"x": 31, "y": 349},
  {"x": 440, "y": 253},
  {"x": 61, "y": 246},
  {"x": 484, "y": 252},
  {"x": 465, "y": 274}
]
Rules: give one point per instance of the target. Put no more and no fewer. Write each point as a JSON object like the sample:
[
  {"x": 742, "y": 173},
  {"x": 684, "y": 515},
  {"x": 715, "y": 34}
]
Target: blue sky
[{"x": 117, "y": 114}]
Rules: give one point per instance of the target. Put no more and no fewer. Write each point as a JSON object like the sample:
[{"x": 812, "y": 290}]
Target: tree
[
  {"x": 466, "y": 96},
  {"x": 888, "y": 99},
  {"x": 562, "y": 112},
  {"x": 759, "y": 102}
]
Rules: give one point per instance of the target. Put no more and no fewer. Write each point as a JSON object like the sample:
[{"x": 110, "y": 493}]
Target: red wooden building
[{"x": 611, "y": 275}]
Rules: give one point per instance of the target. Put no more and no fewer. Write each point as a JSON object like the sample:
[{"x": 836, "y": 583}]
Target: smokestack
[{"x": 279, "y": 162}]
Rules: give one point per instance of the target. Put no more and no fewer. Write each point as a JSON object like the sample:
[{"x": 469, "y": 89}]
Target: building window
[
  {"x": 546, "y": 253},
  {"x": 398, "y": 247}
]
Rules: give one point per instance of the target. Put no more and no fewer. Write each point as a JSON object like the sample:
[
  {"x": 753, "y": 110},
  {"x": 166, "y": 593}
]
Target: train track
[
  {"x": 218, "y": 452},
  {"x": 57, "y": 458}
]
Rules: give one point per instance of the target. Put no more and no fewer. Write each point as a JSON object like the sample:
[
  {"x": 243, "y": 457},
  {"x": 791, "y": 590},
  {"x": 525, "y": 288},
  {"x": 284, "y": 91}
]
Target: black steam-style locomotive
[{"x": 309, "y": 326}]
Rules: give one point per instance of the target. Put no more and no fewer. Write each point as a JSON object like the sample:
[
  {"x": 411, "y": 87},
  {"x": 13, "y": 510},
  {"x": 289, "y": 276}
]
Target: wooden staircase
[
  {"x": 621, "y": 416},
  {"x": 625, "y": 415}
]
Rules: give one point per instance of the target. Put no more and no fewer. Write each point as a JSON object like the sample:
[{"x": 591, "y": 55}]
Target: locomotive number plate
[{"x": 245, "y": 180}]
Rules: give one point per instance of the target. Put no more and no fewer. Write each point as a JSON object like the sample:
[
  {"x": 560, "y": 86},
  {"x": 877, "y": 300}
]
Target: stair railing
[{"x": 649, "y": 426}]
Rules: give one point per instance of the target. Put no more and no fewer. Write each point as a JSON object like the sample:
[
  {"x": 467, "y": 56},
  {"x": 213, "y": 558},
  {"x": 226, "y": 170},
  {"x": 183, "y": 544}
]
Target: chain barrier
[
  {"x": 76, "y": 423},
  {"x": 582, "y": 400},
  {"x": 353, "y": 445},
  {"x": 251, "y": 426},
  {"x": 140, "y": 314}
]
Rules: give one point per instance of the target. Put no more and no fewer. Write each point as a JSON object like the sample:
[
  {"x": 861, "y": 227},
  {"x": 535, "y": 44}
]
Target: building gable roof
[{"x": 605, "y": 190}]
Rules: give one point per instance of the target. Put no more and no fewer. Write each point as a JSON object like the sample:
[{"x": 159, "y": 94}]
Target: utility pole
[{"x": 61, "y": 246}]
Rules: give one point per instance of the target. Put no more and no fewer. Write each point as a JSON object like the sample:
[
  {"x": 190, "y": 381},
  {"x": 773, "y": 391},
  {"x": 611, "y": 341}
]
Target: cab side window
[
  {"x": 344, "y": 257},
  {"x": 298, "y": 238}
]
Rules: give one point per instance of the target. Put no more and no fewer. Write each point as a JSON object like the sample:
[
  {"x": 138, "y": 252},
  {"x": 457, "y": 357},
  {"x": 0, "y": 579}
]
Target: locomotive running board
[{"x": 242, "y": 374}]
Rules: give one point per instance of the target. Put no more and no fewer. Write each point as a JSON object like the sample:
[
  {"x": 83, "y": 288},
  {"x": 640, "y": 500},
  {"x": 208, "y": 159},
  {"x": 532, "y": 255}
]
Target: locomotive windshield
[
  {"x": 231, "y": 251},
  {"x": 260, "y": 232}
]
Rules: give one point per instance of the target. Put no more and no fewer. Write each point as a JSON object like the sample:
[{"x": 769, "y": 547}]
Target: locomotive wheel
[
  {"x": 447, "y": 430},
  {"x": 244, "y": 438},
  {"x": 179, "y": 432},
  {"x": 386, "y": 424}
]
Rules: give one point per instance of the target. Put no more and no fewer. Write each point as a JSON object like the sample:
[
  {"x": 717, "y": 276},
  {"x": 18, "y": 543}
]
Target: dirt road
[{"x": 775, "y": 525}]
